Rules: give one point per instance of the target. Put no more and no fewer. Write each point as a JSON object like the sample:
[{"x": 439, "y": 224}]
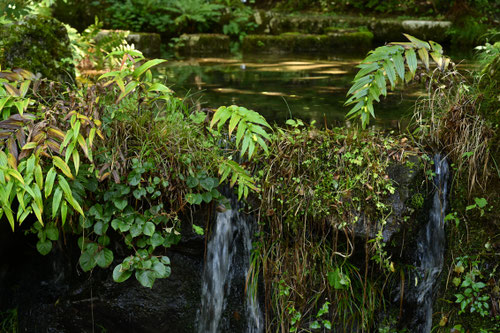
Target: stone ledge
[
  {"x": 298, "y": 42},
  {"x": 202, "y": 44}
]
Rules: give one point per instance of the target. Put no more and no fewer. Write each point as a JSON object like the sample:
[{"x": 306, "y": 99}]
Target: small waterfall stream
[
  {"x": 430, "y": 251},
  {"x": 228, "y": 253}
]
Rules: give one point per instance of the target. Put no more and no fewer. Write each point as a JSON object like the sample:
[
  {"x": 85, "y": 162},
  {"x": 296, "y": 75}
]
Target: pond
[{"x": 309, "y": 87}]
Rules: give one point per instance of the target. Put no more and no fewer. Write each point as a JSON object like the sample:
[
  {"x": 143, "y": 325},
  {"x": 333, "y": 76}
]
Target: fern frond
[{"x": 396, "y": 62}]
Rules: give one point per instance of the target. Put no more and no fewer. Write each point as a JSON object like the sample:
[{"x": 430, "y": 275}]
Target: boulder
[{"x": 39, "y": 44}]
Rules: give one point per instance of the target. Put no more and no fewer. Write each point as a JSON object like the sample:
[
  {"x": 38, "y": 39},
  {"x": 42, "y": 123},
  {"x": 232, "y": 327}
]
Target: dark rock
[
  {"x": 39, "y": 44},
  {"x": 53, "y": 295},
  {"x": 409, "y": 184}
]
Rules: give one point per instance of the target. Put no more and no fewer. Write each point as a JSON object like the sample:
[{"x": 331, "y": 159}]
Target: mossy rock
[
  {"x": 148, "y": 43},
  {"x": 298, "y": 42},
  {"x": 392, "y": 30},
  {"x": 203, "y": 44},
  {"x": 351, "y": 40},
  {"x": 39, "y": 44}
]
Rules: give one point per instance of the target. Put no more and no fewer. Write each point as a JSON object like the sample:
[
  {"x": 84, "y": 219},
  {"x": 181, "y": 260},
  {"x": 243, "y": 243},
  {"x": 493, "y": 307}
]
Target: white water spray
[
  {"x": 230, "y": 232},
  {"x": 431, "y": 245}
]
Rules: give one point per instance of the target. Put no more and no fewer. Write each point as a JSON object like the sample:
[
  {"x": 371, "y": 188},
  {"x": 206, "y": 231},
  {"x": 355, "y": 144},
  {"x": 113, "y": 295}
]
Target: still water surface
[{"x": 283, "y": 86}]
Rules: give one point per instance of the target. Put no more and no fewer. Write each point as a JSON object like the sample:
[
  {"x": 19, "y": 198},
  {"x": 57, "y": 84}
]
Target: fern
[
  {"x": 395, "y": 62},
  {"x": 249, "y": 126}
]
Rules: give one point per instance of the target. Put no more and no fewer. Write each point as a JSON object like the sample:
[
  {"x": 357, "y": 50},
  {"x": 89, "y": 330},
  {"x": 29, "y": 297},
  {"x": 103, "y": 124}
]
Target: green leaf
[
  {"x": 147, "y": 65},
  {"x": 136, "y": 230},
  {"x": 160, "y": 270},
  {"x": 314, "y": 325},
  {"x": 366, "y": 69},
  {"x": 76, "y": 161},
  {"x": 390, "y": 72},
  {"x": 52, "y": 232},
  {"x": 417, "y": 42},
  {"x": 221, "y": 116},
  {"x": 87, "y": 260},
  {"x": 58, "y": 162},
  {"x": 198, "y": 230},
  {"x": 163, "y": 88},
  {"x": 56, "y": 201},
  {"x": 37, "y": 211},
  {"x": 400, "y": 65},
  {"x": 424, "y": 56},
  {"x": 192, "y": 182},
  {"x": 207, "y": 197},
  {"x": 157, "y": 239},
  {"x": 208, "y": 183},
  {"x": 68, "y": 195},
  {"x": 198, "y": 199},
  {"x": 100, "y": 228},
  {"x": 411, "y": 60},
  {"x": 360, "y": 83},
  {"x": 146, "y": 277},
  {"x": 235, "y": 118},
  {"x": 49, "y": 181},
  {"x": 64, "y": 212},
  {"x": 120, "y": 203},
  {"x": 121, "y": 275},
  {"x": 39, "y": 176},
  {"x": 104, "y": 258},
  {"x": 108, "y": 74},
  {"x": 149, "y": 229},
  {"x": 128, "y": 89},
  {"x": 44, "y": 247},
  {"x": 481, "y": 202},
  {"x": 104, "y": 240}
]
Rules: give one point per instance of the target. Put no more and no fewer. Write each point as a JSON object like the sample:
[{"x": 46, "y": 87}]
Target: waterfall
[
  {"x": 430, "y": 251},
  {"x": 228, "y": 260}
]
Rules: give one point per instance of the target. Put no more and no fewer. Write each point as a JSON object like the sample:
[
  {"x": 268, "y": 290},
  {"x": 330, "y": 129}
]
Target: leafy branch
[
  {"x": 250, "y": 134},
  {"x": 396, "y": 62},
  {"x": 249, "y": 125}
]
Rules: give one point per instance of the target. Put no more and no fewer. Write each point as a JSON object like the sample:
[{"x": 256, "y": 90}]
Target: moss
[
  {"x": 203, "y": 44},
  {"x": 298, "y": 42},
  {"x": 357, "y": 39},
  {"x": 39, "y": 44}
]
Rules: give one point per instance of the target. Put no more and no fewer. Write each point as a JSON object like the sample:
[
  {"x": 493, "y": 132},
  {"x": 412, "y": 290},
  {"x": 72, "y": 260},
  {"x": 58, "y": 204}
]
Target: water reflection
[{"x": 280, "y": 86}]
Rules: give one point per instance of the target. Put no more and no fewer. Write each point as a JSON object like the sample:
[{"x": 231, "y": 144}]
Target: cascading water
[
  {"x": 430, "y": 252},
  {"x": 228, "y": 257}
]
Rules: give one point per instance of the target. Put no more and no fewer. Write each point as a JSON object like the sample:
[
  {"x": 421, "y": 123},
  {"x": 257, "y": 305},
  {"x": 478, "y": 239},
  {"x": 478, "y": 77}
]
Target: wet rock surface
[
  {"x": 407, "y": 199},
  {"x": 52, "y": 294}
]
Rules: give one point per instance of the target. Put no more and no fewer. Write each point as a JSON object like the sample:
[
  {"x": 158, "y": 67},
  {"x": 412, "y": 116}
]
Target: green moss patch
[
  {"x": 298, "y": 42},
  {"x": 39, "y": 44},
  {"x": 198, "y": 44}
]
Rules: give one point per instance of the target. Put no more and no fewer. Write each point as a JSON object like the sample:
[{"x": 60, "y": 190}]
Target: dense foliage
[{"x": 116, "y": 162}]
